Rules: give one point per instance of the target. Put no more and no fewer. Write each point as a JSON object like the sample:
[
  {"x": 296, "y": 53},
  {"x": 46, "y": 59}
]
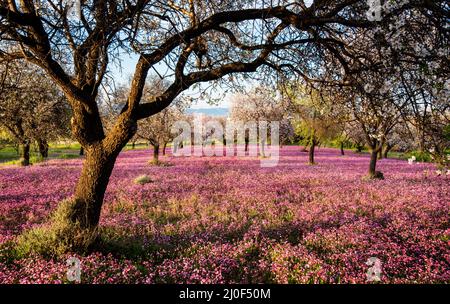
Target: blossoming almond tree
[
  {"x": 261, "y": 104},
  {"x": 157, "y": 130},
  {"x": 318, "y": 117},
  {"x": 198, "y": 41},
  {"x": 31, "y": 108}
]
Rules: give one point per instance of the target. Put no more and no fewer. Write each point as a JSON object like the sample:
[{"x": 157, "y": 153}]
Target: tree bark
[
  {"x": 25, "y": 155},
  {"x": 156, "y": 153},
  {"x": 380, "y": 154},
  {"x": 81, "y": 151},
  {"x": 91, "y": 186},
  {"x": 100, "y": 152},
  {"x": 373, "y": 162},
  {"x": 164, "y": 149},
  {"x": 342, "y": 148},
  {"x": 311, "y": 152},
  {"x": 373, "y": 173},
  {"x": 422, "y": 141},
  {"x": 263, "y": 144},
  {"x": 246, "y": 143},
  {"x": 43, "y": 148},
  {"x": 133, "y": 145},
  {"x": 386, "y": 151}
]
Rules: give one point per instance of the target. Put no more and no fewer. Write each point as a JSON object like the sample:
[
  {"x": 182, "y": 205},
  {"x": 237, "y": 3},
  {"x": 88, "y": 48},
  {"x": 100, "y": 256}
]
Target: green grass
[
  {"x": 69, "y": 150},
  {"x": 420, "y": 156},
  {"x": 34, "y": 158},
  {"x": 137, "y": 146},
  {"x": 59, "y": 236},
  {"x": 9, "y": 155},
  {"x": 65, "y": 146}
]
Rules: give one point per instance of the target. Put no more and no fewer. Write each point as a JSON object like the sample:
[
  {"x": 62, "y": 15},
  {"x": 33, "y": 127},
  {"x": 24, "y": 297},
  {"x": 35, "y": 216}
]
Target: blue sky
[
  {"x": 128, "y": 66},
  {"x": 123, "y": 75}
]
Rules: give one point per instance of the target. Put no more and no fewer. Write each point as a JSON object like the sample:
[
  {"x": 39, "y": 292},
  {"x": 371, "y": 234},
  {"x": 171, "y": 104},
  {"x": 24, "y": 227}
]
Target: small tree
[
  {"x": 343, "y": 139},
  {"x": 261, "y": 104},
  {"x": 157, "y": 129},
  {"x": 356, "y": 135},
  {"x": 400, "y": 138},
  {"x": 376, "y": 118},
  {"x": 31, "y": 108},
  {"x": 316, "y": 117}
]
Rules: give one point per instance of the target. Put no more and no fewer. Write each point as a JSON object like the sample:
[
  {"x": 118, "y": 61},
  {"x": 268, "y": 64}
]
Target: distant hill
[{"x": 209, "y": 111}]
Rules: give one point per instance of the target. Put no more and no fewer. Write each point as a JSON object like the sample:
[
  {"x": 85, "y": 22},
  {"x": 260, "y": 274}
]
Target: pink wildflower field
[{"x": 227, "y": 220}]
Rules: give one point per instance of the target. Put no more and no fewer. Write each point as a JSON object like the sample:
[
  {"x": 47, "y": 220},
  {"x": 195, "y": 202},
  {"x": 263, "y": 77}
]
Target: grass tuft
[
  {"x": 142, "y": 179},
  {"x": 57, "y": 237}
]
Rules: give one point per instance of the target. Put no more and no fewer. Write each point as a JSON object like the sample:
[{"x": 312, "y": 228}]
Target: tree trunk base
[
  {"x": 59, "y": 236},
  {"x": 372, "y": 176},
  {"x": 159, "y": 163},
  {"x": 154, "y": 162},
  {"x": 25, "y": 157},
  {"x": 43, "y": 148},
  {"x": 24, "y": 162}
]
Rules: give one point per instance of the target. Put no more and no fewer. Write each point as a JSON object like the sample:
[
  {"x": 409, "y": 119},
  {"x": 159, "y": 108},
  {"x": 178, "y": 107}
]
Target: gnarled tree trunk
[
  {"x": 100, "y": 156},
  {"x": 342, "y": 148},
  {"x": 311, "y": 152},
  {"x": 155, "y": 153},
  {"x": 359, "y": 148},
  {"x": 91, "y": 187},
  {"x": 373, "y": 162},
  {"x": 374, "y": 152},
  {"x": 386, "y": 151},
  {"x": 164, "y": 149},
  {"x": 43, "y": 148},
  {"x": 25, "y": 154}
]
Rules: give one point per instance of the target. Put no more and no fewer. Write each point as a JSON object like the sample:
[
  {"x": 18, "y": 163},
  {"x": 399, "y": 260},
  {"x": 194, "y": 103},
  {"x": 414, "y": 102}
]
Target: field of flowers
[{"x": 226, "y": 220}]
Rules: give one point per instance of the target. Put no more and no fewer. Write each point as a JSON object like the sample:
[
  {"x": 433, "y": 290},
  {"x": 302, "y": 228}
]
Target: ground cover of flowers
[{"x": 226, "y": 220}]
